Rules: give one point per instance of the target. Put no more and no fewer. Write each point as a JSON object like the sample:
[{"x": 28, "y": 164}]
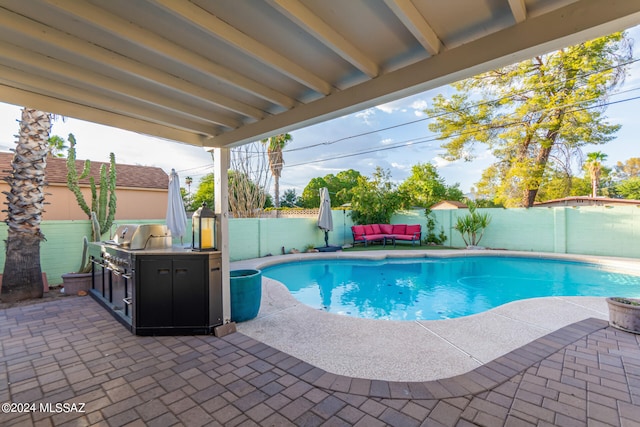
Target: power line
[
  {"x": 545, "y": 86},
  {"x": 431, "y": 139}
]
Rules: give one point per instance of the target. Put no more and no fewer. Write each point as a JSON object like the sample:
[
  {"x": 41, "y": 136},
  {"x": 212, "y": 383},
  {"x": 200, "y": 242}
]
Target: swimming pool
[{"x": 443, "y": 288}]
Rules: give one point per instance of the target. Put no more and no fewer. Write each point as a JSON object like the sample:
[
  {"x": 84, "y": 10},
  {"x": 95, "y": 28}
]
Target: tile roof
[
  {"x": 452, "y": 203},
  {"x": 127, "y": 175},
  {"x": 587, "y": 201}
]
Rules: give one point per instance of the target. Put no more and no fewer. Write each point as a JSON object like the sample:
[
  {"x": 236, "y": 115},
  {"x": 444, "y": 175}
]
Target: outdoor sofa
[{"x": 384, "y": 233}]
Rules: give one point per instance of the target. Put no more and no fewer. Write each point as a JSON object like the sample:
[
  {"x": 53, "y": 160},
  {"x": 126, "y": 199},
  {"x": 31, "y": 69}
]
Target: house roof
[
  {"x": 455, "y": 203},
  {"x": 133, "y": 176},
  {"x": 217, "y": 73},
  {"x": 587, "y": 201}
]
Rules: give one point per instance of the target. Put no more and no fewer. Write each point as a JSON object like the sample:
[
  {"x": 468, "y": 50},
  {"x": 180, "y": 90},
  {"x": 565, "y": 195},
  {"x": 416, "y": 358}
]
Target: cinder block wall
[{"x": 606, "y": 231}]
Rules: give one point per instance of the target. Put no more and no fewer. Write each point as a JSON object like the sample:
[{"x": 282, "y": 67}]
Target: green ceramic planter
[{"x": 246, "y": 293}]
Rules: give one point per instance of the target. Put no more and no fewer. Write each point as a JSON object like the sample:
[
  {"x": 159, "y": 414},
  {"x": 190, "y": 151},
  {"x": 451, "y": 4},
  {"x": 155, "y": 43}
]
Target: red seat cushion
[
  {"x": 372, "y": 237},
  {"x": 358, "y": 231},
  {"x": 368, "y": 229},
  {"x": 413, "y": 229},
  {"x": 375, "y": 228},
  {"x": 386, "y": 229},
  {"x": 404, "y": 236},
  {"x": 399, "y": 229}
]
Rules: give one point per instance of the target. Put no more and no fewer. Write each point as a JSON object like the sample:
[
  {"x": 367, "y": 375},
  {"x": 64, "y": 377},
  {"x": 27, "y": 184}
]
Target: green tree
[
  {"x": 204, "y": 193},
  {"x": 311, "y": 194},
  {"x": 22, "y": 276},
  {"x": 275, "y": 145},
  {"x": 425, "y": 187},
  {"x": 594, "y": 167},
  {"x": 343, "y": 180},
  {"x": 533, "y": 115},
  {"x": 57, "y": 145},
  {"x": 289, "y": 199},
  {"x": 629, "y": 188},
  {"x": 374, "y": 201}
]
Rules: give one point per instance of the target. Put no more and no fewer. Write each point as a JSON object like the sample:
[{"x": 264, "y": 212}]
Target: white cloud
[
  {"x": 389, "y": 107},
  {"x": 365, "y": 115},
  {"x": 419, "y": 104},
  {"x": 439, "y": 162},
  {"x": 386, "y": 141}
]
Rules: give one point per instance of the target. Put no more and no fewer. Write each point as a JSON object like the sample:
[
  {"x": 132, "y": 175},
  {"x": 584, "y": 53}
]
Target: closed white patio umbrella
[
  {"x": 176, "y": 215},
  {"x": 325, "y": 219}
]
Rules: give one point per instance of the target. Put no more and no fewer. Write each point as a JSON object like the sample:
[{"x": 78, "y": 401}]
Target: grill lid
[{"x": 142, "y": 236}]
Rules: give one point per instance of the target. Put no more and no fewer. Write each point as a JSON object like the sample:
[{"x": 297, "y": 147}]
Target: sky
[{"x": 338, "y": 139}]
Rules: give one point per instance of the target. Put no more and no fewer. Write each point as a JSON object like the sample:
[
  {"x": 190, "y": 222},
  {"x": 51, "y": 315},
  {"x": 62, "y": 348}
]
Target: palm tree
[
  {"x": 594, "y": 167},
  {"x": 22, "y": 277},
  {"x": 275, "y": 145}
]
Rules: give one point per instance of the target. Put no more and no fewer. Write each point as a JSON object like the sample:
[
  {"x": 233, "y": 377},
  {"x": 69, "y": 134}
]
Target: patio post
[{"x": 221, "y": 164}]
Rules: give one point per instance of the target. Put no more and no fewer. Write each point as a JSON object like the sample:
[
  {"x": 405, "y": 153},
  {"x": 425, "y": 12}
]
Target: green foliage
[
  {"x": 85, "y": 264},
  {"x": 57, "y": 145},
  {"x": 424, "y": 187},
  {"x": 431, "y": 236},
  {"x": 528, "y": 114},
  {"x": 338, "y": 186},
  {"x": 374, "y": 201},
  {"x": 103, "y": 200},
  {"x": 289, "y": 199},
  {"x": 472, "y": 226},
  {"x": 629, "y": 188},
  {"x": 275, "y": 145},
  {"x": 594, "y": 167},
  {"x": 204, "y": 193}
]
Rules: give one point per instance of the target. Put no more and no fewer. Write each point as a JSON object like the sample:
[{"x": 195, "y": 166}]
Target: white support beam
[
  {"x": 221, "y": 165},
  {"x": 216, "y": 27},
  {"x": 518, "y": 9},
  {"x": 55, "y": 89},
  {"x": 26, "y": 28},
  {"x": 126, "y": 30},
  {"x": 574, "y": 23},
  {"x": 314, "y": 25},
  {"x": 416, "y": 23},
  {"x": 33, "y": 63},
  {"x": 25, "y": 98}
]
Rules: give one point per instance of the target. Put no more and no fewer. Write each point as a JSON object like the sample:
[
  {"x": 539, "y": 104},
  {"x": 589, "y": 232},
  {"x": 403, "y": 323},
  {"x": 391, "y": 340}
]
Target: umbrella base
[{"x": 329, "y": 248}]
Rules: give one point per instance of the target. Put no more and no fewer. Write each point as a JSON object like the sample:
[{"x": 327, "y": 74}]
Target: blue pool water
[{"x": 431, "y": 289}]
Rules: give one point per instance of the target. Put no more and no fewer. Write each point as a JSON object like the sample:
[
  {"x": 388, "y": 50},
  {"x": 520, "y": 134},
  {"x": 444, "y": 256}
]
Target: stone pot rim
[{"x": 624, "y": 303}]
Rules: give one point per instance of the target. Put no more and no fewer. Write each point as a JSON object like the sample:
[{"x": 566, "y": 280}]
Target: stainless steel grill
[
  {"x": 154, "y": 288},
  {"x": 142, "y": 236}
]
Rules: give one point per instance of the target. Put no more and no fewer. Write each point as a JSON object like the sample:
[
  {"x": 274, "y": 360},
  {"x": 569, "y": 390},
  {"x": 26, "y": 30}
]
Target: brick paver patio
[{"x": 73, "y": 351}]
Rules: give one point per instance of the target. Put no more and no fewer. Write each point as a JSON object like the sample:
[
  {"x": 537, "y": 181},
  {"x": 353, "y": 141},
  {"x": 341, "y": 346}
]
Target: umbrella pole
[{"x": 326, "y": 239}]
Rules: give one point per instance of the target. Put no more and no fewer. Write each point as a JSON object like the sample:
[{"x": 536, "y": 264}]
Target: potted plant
[
  {"x": 81, "y": 280},
  {"x": 624, "y": 314}
]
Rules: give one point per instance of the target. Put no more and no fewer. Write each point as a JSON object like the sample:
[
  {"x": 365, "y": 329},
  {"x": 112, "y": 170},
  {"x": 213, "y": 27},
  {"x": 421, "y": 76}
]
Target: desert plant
[
  {"x": 103, "y": 201},
  {"x": 471, "y": 226}
]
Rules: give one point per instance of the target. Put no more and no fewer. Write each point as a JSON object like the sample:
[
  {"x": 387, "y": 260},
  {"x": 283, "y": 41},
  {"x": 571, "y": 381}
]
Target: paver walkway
[{"x": 73, "y": 351}]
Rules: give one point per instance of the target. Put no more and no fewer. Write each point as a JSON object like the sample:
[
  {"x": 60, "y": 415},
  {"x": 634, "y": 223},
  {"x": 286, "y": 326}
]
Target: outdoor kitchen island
[{"x": 164, "y": 290}]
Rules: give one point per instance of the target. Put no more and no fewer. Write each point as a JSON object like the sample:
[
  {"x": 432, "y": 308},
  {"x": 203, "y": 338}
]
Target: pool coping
[
  {"x": 481, "y": 379},
  {"x": 409, "y": 351}
]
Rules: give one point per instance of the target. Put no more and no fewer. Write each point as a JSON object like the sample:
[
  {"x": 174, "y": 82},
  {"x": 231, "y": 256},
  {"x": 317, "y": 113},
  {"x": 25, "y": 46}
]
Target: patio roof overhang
[{"x": 222, "y": 73}]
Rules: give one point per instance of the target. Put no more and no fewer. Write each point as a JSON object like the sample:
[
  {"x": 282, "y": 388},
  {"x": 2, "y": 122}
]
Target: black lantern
[{"x": 203, "y": 229}]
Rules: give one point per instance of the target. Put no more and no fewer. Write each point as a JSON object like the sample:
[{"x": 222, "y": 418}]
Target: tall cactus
[{"x": 103, "y": 200}]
